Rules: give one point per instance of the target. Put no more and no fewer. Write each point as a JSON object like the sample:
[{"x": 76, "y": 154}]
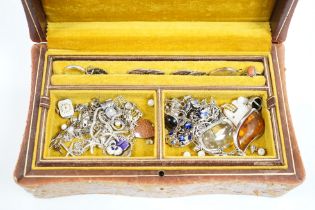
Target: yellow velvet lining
[
  {"x": 117, "y": 73},
  {"x": 163, "y": 80},
  {"x": 157, "y": 10},
  {"x": 160, "y": 36},
  {"x": 221, "y": 97},
  {"x": 54, "y": 121}
]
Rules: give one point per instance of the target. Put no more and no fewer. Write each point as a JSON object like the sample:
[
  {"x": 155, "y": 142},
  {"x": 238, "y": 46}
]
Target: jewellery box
[{"x": 155, "y": 56}]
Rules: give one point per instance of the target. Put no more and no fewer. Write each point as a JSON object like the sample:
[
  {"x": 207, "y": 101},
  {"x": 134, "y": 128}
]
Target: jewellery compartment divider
[{"x": 160, "y": 157}]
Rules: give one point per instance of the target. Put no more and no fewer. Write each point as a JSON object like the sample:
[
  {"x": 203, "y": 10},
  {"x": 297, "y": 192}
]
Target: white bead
[
  {"x": 149, "y": 141},
  {"x": 128, "y": 105},
  {"x": 201, "y": 153},
  {"x": 261, "y": 151},
  {"x": 186, "y": 154},
  {"x": 150, "y": 102},
  {"x": 64, "y": 127}
]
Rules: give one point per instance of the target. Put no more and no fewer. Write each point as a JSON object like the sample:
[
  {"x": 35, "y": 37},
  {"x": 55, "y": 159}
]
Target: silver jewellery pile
[
  {"x": 111, "y": 126},
  {"x": 211, "y": 129}
]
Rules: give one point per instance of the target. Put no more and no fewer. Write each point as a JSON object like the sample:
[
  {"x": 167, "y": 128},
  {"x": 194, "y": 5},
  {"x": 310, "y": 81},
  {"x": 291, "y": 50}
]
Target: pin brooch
[
  {"x": 213, "y": 129},
  {"x": 111, "y": 126}
]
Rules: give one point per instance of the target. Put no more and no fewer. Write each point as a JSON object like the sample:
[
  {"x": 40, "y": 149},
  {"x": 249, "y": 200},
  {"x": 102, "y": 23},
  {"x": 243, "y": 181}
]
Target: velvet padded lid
[{"x": 39, "y": 12}]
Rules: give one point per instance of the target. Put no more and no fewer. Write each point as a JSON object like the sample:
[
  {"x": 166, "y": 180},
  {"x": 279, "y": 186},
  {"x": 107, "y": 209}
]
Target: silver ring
[
  {"x": 146, "y": 71},
  {"x": 89, "y": 70}
]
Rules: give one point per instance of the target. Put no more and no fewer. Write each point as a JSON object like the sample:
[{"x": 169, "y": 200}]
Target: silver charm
[{"x": 65, "y": 108}]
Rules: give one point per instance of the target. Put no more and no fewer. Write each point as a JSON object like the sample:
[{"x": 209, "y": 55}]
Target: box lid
[{"x": 40, "y": 12}]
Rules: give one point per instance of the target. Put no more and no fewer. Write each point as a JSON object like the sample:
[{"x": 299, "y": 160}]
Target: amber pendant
[{"x": 249, "y": 129}]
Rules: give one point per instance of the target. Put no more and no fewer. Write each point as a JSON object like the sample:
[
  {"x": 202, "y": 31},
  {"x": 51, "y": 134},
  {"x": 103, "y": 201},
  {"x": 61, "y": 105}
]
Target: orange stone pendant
[
  {"x": 248, "y": 130},
  {"x": 144, "y": 129}
]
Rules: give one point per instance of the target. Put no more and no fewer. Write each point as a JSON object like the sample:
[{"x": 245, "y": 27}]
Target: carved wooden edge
[
  {"x": 35, "y": 179},
  {"x": 281, "y": 18},
  {"x": 36, "y": 20},
  {"x": 278, "y": 57},
  {"x": 38, "y": 57}
]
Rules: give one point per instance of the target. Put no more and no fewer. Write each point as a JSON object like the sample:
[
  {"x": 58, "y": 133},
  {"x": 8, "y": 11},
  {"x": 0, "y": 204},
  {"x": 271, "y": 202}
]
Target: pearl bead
[
  {"x": 149, "y": 141},
  {"x": 150, "y": 102},
  {"x": 201, "y": 153},
  {"x": 186, "y": 154},
  {"x": 64, "y": 127},
  {"x": 261, "y": 151},
  {"x": 128, "y": 105}
]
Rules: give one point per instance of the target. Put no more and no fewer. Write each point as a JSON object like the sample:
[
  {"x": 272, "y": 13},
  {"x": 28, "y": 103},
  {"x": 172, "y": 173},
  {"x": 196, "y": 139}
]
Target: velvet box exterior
[{"x": 154, "y": 32}]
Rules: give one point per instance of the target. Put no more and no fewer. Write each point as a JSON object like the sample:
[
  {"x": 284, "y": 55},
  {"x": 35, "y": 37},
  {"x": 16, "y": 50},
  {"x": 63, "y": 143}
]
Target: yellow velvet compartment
[
  {"x": 157, "y": 10},
  {"x": 117, "y": 73},
  {"x": 159, "y": 36},
  {"x": 54, "y": 121},
  {"x": 221, "y": 97}
]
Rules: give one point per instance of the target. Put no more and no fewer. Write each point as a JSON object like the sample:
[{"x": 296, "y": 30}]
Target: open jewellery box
[{"x": 169, "y": 36}]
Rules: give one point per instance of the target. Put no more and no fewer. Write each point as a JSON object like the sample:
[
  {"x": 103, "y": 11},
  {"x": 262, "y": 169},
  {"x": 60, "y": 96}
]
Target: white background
[{"x": 15, "y": 68}]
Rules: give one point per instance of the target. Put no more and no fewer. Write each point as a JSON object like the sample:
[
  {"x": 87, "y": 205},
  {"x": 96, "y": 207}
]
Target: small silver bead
[{"x": 261, "y": 151}]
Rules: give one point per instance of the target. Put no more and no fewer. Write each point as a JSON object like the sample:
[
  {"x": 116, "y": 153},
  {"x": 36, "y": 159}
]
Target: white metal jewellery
[
  {"x": 146, "y": 71},
  {"x": 109, "y": 126},
  {"x": 214, "y": 130},
  {"x": 89, "y": 70}
]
